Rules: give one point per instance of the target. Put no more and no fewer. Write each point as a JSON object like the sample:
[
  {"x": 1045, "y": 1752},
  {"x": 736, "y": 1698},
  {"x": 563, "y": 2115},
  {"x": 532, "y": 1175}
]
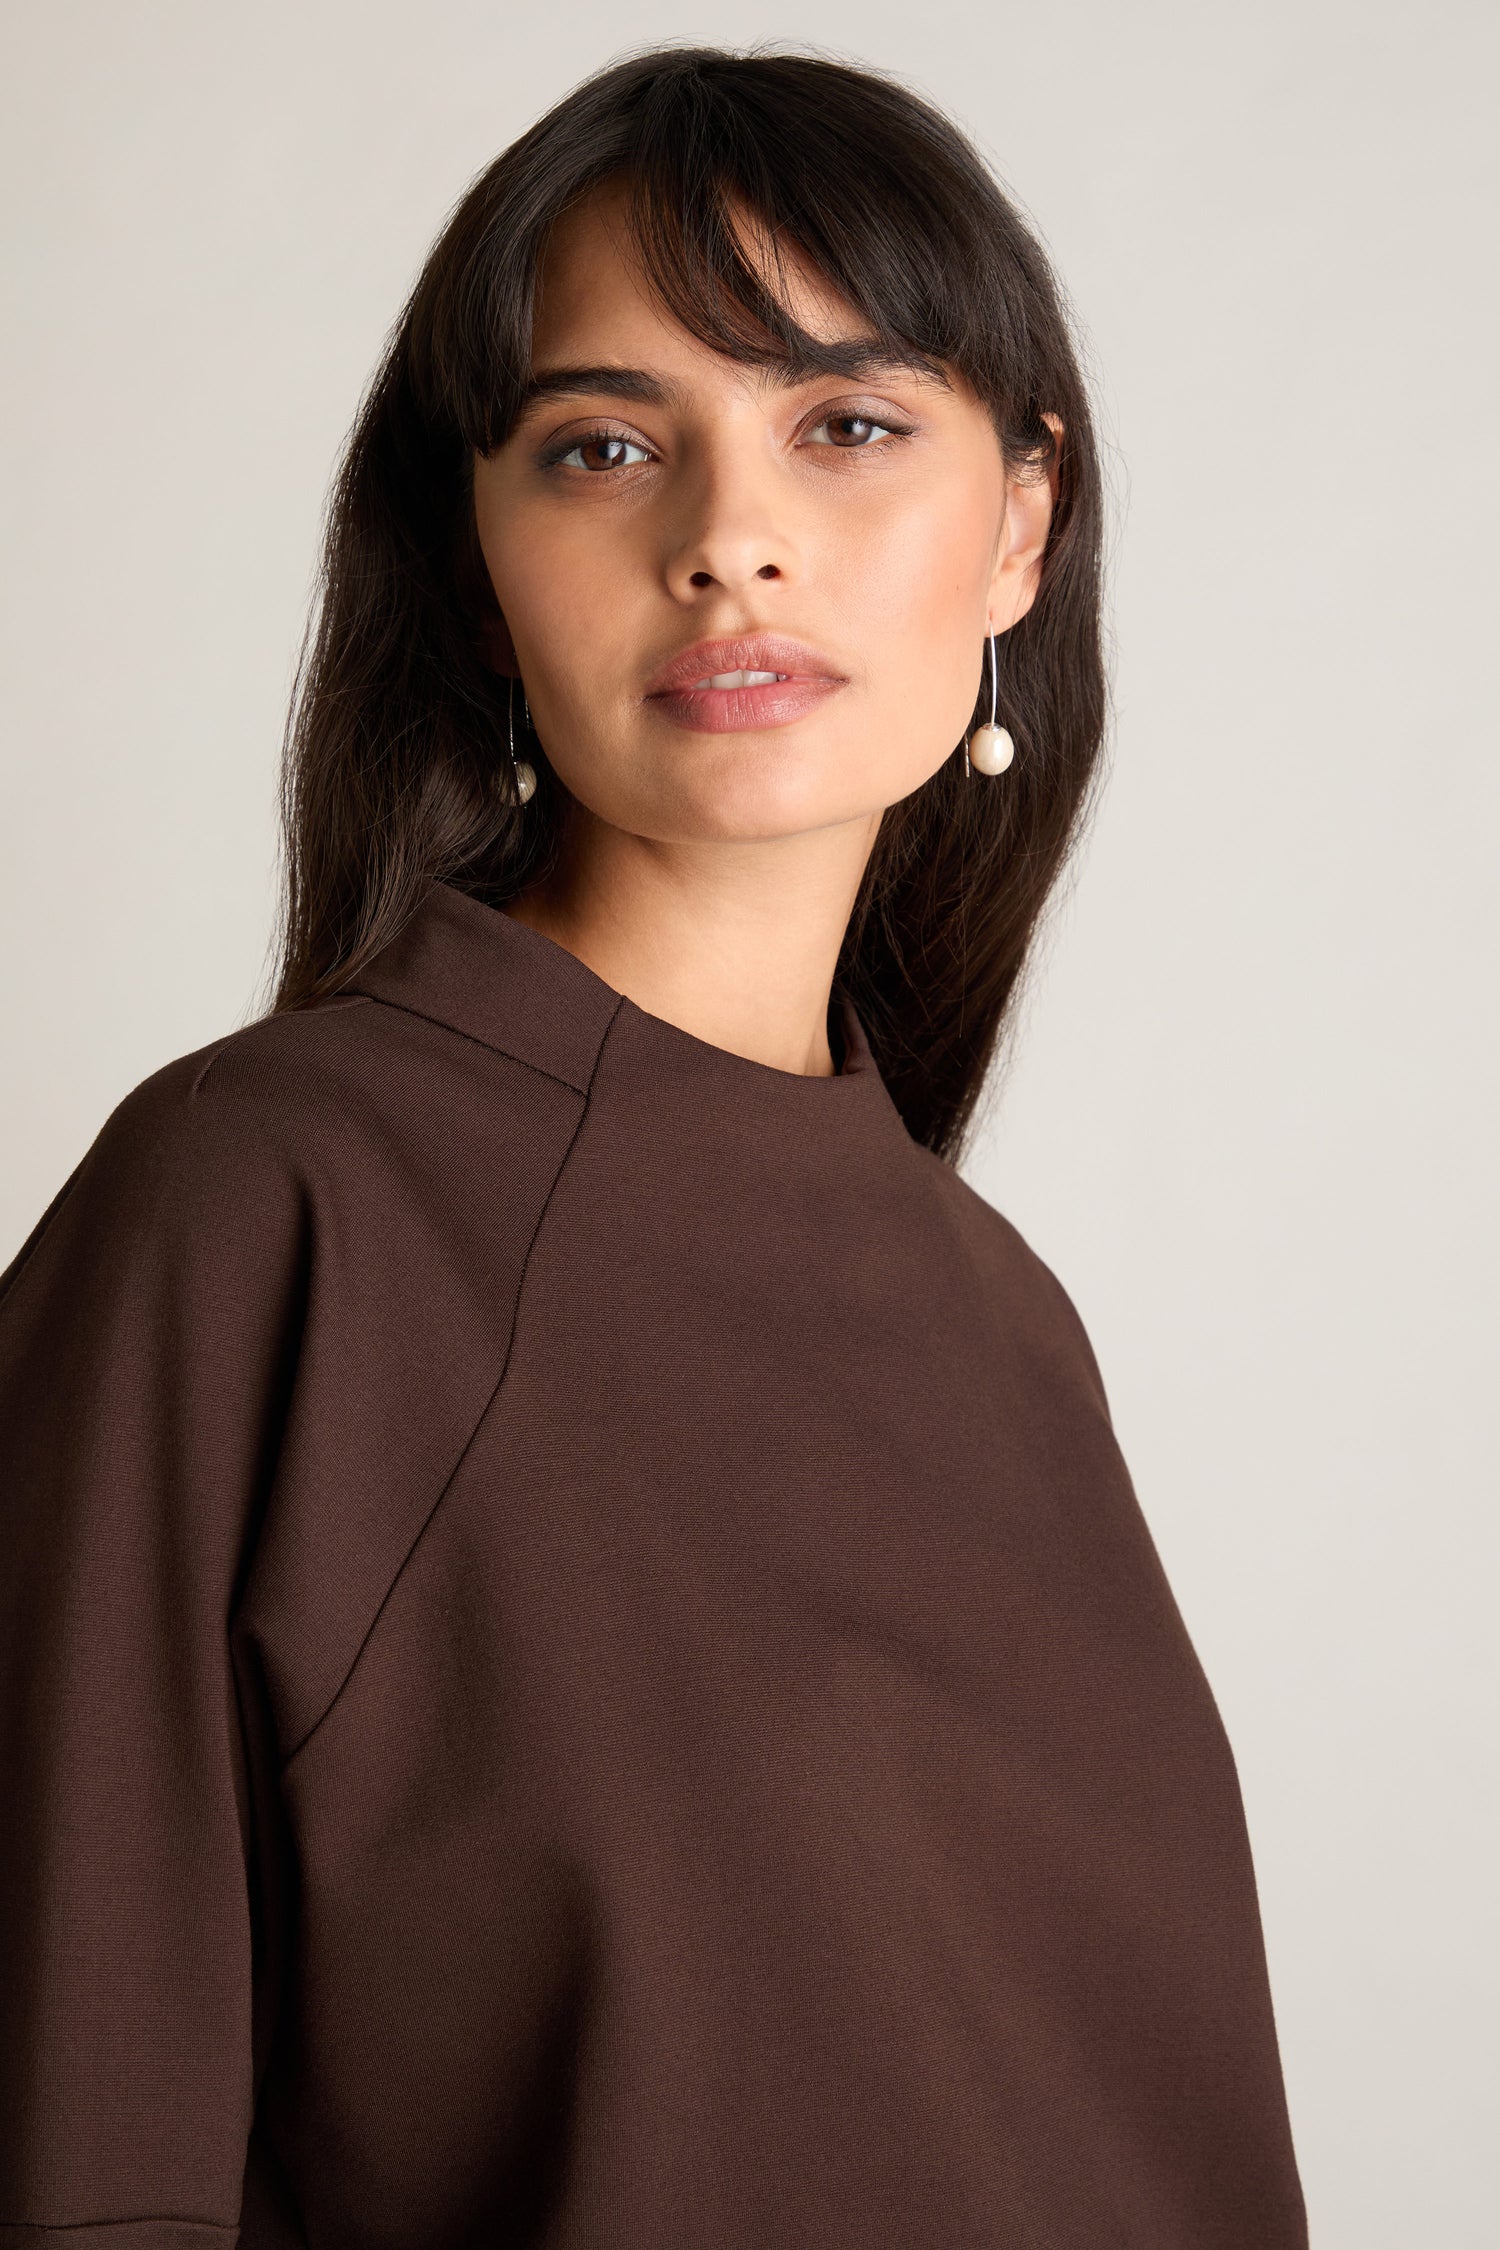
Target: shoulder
[
  {"x": 204, "y": 1133},
  {"x": 347, "y": 1080},
  {"x": 328, "y": 1110},
  {"x": 342, "y": 1084},
  {"x": 1025, "y": 1289}
]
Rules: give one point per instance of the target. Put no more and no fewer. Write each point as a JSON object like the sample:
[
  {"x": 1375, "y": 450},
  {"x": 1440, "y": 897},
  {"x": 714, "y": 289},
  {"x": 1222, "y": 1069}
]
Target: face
[{"x": 852, "y": 540}]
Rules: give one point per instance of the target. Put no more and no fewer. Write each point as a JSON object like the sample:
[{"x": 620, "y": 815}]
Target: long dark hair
[{"x": 396, "y": 770}]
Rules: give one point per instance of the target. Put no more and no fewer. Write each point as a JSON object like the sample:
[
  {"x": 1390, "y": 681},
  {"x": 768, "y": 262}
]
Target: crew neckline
[
  {"x": 484, "y": 973},
  {"x": 857, "y": 1057}
]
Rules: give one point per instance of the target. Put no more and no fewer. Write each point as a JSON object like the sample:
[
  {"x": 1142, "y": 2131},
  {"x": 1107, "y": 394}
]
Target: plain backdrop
[{"x": 1250, "y": 1118}]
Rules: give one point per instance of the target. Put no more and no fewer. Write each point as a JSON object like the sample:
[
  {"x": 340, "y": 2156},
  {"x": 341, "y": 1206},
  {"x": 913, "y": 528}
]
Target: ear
[{"x": 1029, "y": 503}]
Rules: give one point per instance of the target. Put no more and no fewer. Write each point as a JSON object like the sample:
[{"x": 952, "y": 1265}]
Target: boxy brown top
[{"x": 581, "y": 1667}]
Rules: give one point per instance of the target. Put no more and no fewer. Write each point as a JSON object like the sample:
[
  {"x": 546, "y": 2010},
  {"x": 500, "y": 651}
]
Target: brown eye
[
  {"x": 607, "y": 448},
  {"x": 853, "y": 432}
]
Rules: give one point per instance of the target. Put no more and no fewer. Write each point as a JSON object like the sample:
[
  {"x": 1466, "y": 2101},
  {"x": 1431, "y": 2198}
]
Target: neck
[{"x": 736, "y": 942}]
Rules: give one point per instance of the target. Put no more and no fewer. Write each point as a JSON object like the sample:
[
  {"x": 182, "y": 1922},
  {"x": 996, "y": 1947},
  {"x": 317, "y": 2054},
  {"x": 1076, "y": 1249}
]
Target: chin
[{"x": 756, "y": 793}]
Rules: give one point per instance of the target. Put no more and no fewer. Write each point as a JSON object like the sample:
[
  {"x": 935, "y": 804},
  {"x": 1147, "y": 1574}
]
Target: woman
[{"x": 585, "y": 1665}]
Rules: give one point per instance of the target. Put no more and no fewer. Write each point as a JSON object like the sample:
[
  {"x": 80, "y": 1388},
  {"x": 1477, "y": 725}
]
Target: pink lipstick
[{"x": 748, "y": 680}]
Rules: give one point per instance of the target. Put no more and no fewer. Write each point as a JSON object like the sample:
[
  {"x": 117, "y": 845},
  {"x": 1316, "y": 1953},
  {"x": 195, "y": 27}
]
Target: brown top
[{"x": 582, "y": 1667}]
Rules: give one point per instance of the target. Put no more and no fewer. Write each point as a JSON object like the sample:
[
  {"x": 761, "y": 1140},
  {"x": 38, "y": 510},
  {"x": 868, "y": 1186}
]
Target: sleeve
[{"x": 144, "y": 1331}]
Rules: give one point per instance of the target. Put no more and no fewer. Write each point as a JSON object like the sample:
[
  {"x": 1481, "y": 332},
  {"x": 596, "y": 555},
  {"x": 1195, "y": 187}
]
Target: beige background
[{"x": 1252, "y": 1118}]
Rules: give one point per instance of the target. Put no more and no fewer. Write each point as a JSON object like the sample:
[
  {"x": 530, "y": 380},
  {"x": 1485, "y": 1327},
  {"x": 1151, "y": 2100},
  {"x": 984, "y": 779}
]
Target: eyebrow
[{"x": 848, "y": 356}]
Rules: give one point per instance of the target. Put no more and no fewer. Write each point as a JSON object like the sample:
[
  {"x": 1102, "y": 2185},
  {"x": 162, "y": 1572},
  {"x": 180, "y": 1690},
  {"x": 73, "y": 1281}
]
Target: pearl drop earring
[
  {"x": 990, "y": 746},
  {"x": 522, "y": 768}
]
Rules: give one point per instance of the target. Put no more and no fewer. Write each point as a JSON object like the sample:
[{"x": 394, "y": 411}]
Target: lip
[{"x": 810, "y": 678}]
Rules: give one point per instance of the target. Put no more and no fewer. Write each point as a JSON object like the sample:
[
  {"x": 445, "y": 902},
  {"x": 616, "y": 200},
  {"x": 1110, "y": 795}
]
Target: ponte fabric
[{"x": 581, "y": 1667}]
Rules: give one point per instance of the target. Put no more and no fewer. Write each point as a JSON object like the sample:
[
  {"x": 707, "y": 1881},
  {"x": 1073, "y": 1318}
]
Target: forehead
[{"x": 593, "y": 297}]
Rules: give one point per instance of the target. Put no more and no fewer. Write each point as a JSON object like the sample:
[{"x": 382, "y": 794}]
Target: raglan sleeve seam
[{"x": 486, "y": 1409}]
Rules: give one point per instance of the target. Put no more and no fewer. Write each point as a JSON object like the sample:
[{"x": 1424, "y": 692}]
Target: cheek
[
  {"x": 566, "y": 595},
  {"x": 578, "y": 603},
  {"x": 539, "y": 586},
  {"x": 916, "y": 590}
]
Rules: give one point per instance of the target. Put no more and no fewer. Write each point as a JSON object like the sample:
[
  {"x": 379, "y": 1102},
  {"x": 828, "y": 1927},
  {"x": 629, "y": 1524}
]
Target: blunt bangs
[{"x": 878, "y": 197}]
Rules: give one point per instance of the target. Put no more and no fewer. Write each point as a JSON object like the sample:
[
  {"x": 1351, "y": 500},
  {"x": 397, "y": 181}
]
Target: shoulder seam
[
  {"x": 179, "y": 1121},
  {"x": 484, "y": 1412},
  {"x": 219, "y": 1047},
  {"x": 492, "y": 1047},
  {"x": 209, "y": 1061}
]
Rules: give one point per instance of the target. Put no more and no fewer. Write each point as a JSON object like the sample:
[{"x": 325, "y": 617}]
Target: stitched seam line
[
  {"x": 421, "y": 1015},
  {"x": 484, "y": 1412},
  {"x": 489, "y": 1045},
  {"x": 100, "y": 2226}
]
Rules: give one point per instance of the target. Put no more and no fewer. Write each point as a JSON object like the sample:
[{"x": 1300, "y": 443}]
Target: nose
[{"x": 730, "y": 530}]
